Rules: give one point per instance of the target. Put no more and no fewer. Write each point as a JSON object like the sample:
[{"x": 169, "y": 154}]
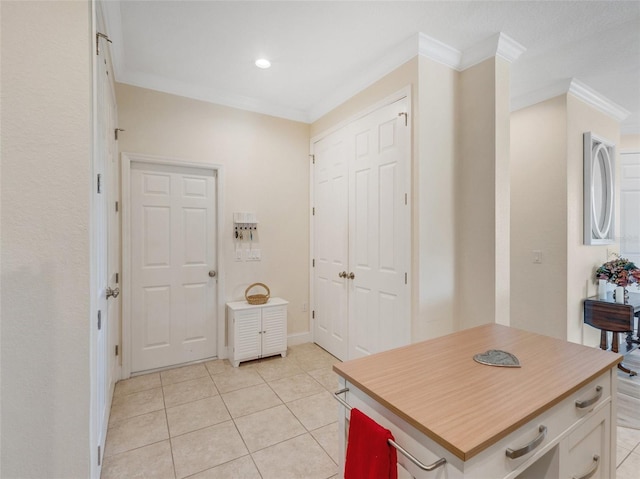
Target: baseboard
[{"x": 299, "y": 338}]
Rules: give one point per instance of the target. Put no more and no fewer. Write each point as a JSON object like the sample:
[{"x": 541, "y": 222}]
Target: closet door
[
  {"x": 379, "y": 231},
  {"x": 362, "y": 234},
  {"x": 331, "y": 243}
]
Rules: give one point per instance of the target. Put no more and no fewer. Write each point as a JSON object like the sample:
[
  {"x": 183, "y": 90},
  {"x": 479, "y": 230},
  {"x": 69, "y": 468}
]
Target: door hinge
[
  {"x": 313, "y": 314},
  {"x": 117, "y": 350},
  {"x": 116, "y": 132},
  {"x": 118, "y": 207},
  {"x": 98, "y": 37},
  {"x": 405, "y": 278},
  {"x": 406, "y": 117},
  {"x": 99, "y": 320},
  {"x": 405, "y": 199},
  {"x": 313, "y": 211},
  {"x": 99, "y": 183},
  {"x": 99, "y": 456},
  {"x": 313, "y": 159},
  {"x": 313, "y": 263},
  {"x": 117, "y": 278}
]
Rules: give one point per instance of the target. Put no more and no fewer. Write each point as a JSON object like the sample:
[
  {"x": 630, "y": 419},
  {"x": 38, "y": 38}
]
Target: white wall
[
  {"x": 45, "y": 218},
  {"x": 266, "y": 170}
]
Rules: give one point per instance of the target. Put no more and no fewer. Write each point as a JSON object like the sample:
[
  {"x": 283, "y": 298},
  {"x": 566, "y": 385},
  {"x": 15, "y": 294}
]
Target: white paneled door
[
  {"x": 630, "y": 206},
  {"x": 173, "y": 265},
  {"x": 331, "y": 189},
  {"x": 379, "y": 231},
  {"x": 362, "y": 234}
]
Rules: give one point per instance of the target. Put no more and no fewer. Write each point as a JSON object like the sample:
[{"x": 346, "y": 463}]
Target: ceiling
[{"x": 323, "y": 52}]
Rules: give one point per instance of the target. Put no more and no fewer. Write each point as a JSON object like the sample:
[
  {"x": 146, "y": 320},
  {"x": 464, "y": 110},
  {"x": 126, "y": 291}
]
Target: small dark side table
[{"x": 609, "y": 316}]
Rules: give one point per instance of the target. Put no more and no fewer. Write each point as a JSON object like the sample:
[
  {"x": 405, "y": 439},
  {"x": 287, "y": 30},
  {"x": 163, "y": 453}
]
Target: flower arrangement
[{"x": 619, "y": 271}]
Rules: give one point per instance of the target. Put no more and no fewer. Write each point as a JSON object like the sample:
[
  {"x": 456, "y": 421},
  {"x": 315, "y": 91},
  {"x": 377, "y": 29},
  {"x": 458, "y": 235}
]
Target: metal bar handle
[
  {"x": 588, "y": 402},
  {"x": 516, "y": 453},
  {"x": 593, "y": 470},
  {"x": 440, "y": 462}
]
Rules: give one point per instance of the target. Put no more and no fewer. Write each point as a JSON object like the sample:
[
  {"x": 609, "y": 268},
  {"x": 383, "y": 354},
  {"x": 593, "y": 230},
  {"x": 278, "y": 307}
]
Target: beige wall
[
  {"x": 483, "y": 196},
  {"x": 547, "y": 215},
  {"x": 582, "y": 260},
  {"x": 266, "y": 170},
  {"x": 630, "y": 142},
  {"x": 539, "y": 218},
  {"x": 434, "y": 196},
  {"x": 46, "y": 178}
]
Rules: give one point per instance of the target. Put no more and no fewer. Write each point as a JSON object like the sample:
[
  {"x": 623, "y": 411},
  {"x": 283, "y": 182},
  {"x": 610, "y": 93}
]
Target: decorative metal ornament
[{"x": 496, "y": 357}]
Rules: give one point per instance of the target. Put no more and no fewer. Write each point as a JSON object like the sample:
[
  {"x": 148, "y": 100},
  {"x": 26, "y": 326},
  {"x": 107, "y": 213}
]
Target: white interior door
[
  {"x": 114, "y": 234},
  {"x": 104, "y": 119},
  {"x": 379, "y": 231},
  {"x": 630, "y": 206},
  {"x": 173, "y": 253},
  {"x": 331, "y": 243},
  {"x": 362, "y": 234}
]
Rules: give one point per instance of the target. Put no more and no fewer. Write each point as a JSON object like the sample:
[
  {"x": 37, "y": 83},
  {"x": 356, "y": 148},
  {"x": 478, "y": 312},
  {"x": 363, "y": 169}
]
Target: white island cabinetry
[{"x": 551, "y": 418}]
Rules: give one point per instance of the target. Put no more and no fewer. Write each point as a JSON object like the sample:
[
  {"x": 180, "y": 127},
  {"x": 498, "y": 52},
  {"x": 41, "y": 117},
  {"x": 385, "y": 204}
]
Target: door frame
[
  {"x": 127, "y": 159},
  {"x": 388, "y": 100},
  {"x": 623, "y": 152}
]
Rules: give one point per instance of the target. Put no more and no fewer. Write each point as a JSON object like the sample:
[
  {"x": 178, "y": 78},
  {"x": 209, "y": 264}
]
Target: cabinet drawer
[
  {"x": 589, "y": 447},
  {"x": 558, "y": 421}
]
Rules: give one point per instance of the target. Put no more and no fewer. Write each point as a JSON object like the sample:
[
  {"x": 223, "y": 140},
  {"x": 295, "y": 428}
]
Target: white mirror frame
[{"x": 599, "y": 173}]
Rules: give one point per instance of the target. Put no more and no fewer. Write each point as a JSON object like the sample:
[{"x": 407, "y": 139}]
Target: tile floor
[
  {"x": 271, "y": 418},
  {"x": 628, "y": 456}
]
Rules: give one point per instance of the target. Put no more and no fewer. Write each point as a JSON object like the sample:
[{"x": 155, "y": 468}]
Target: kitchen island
[{"x": 554, "y": 416}]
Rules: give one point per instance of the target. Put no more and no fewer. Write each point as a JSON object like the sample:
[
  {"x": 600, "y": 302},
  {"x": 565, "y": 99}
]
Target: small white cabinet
[{"x": 257, "y": 331}]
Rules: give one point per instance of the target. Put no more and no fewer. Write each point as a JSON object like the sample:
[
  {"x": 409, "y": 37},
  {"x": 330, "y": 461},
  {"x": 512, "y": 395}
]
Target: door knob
[
  {"x": 112, "y": 293},
  {"x": 212, "y": 274},
  {"x": 343, "y": 274},
  {"x": 352, "y": 276}
]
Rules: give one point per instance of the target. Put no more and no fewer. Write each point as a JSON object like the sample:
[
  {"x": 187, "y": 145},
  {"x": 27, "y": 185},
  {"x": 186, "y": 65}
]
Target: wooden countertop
[{"x": 438, "y": 388}]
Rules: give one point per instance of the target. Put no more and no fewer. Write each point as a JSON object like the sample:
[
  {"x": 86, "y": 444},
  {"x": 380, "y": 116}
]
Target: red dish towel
[{"x": 369, "y": 455}]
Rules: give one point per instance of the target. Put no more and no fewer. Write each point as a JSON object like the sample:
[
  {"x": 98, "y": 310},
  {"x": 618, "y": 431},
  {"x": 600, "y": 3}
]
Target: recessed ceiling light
[{"x": 263, "y": 63}]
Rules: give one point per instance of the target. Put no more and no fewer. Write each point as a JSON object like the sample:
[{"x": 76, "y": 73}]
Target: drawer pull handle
[
  {"x": 516, "y": 453},
  {"x": 588, "y": 402},
  {"x": 594, "y": 468}
]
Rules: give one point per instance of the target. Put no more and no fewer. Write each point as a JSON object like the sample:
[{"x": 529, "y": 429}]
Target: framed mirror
[{"x": 599, "y": 190}]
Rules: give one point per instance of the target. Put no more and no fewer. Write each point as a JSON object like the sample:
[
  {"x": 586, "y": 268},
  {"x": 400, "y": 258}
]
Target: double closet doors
[{"x": 362, "y": 234}]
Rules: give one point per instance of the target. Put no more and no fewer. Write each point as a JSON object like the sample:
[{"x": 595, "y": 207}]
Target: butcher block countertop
[{"x": 465, "y": 406}]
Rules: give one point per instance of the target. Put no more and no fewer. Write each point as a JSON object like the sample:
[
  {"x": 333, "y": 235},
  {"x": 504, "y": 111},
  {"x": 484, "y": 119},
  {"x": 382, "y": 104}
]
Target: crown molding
[
  {"x": 576, "y": 88},
  {"x": 596, "y": 100},
  {"x": 439, "y": 52},
  {"x": 500, "y": 45},
  {"x": 508, "y": 48}
]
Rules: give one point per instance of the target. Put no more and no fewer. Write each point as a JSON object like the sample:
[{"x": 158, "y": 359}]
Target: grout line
[{"x": 166, "y": 418}]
